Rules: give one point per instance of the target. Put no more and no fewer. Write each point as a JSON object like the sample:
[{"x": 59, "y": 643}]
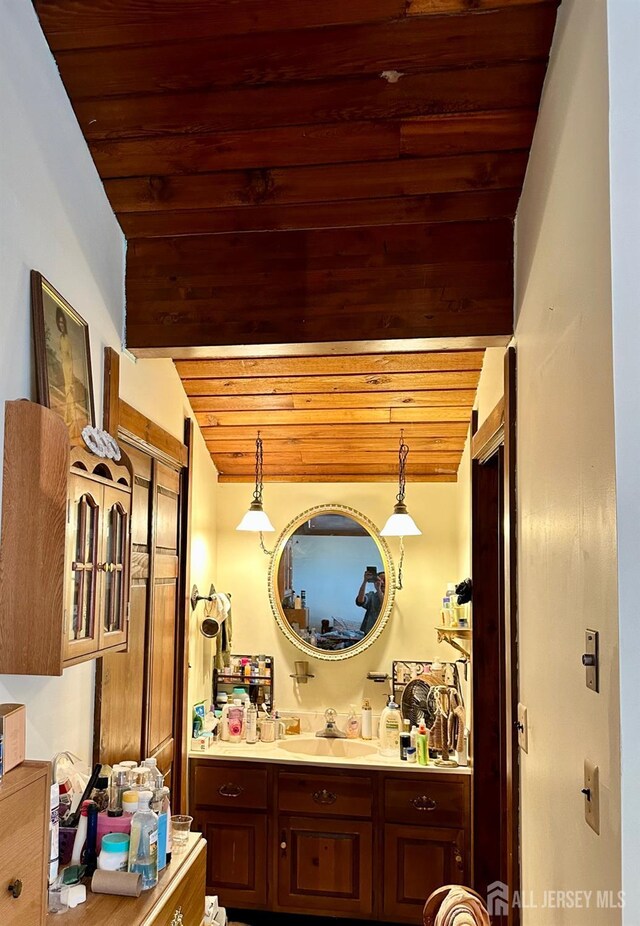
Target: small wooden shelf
[{"x": 452, "y": 635}]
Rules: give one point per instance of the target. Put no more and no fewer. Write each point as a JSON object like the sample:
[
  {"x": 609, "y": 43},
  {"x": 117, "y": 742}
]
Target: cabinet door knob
[
  {"x": 230, "y": 790},
  {"x": 324, "y": 797},
  {"x": 15, "y": 888},
  {"x": 457, "y": 854},
  {"x": 423, "y": 802}
]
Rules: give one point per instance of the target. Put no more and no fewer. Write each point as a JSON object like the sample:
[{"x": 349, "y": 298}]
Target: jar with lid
[
  {"x": 141, "y": 778},
  {"x": 114, "y": 852}
]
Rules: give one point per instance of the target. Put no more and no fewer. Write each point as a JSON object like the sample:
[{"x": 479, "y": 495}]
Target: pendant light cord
[
  {"x": 403, "y": 453},
  {"x": 399, "y": 583},
  {"x": 257, "y": 492}
]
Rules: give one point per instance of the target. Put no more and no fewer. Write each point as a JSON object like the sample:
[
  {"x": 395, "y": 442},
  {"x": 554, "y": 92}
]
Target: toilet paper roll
[{"x": 124, "y": 883}]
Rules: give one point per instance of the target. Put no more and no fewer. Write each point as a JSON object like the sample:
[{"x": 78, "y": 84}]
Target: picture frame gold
[{"x": 64, "y": 379}]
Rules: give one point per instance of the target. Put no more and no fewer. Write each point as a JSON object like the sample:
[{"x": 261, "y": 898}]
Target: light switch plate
[
  {"x": 592, "y": 795},
  {"x": 523, "y": 728}
]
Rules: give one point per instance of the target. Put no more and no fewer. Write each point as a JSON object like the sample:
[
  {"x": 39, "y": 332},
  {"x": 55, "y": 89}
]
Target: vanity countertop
[{"x": 307, "y": 749}]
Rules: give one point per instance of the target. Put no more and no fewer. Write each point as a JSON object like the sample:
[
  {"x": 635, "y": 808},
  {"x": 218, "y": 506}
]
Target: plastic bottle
[
  {"x": 390, "y": 729},
  {"x": 130, "y": 802},
  {"x": 89, "y": 854},
  {"x": 405, "y": 746},
  {"x": 422, "y": 745},
  {"x": 414, "y": 737},
  {"x": 81, "y": 835},
  {"x": 252, "y": 724},
  {"x": 143, "y": 848},
  {"x": 352, "y": 728},
  {"x": 303, "y": 599},
  {"x": 224, "y": 723},
  {"x": 114, "y": 852},
  {"x": 117, "y": 787},
  {"x": 366, "y": 726},
  {"x": 157, "y": 778},
  {"x": 235, "y": 721},
  {"x": 100, "y": 793},
  {"x": 159, "y": 806}
]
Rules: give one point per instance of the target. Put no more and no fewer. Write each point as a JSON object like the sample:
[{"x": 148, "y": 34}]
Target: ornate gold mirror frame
[{"x": 275, "y": 595}]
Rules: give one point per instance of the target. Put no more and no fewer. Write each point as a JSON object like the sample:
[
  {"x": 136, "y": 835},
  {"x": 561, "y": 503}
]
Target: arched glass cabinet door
[
  {"x": 114, "y": 569},
  {"x": 83, "y": 549}
]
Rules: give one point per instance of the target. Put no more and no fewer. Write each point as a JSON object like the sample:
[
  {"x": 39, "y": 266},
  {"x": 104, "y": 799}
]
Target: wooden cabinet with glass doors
[
  {"x": 65, "y": 552},
  {"x": 97, "y": 557}
]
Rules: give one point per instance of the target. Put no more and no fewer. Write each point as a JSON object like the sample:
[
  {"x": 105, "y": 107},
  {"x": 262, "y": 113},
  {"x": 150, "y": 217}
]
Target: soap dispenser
[{"x": 390, "y": 729}]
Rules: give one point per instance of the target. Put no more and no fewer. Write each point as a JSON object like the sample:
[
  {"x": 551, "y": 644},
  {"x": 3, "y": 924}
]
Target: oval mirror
[{"x": 331, "y": 582}]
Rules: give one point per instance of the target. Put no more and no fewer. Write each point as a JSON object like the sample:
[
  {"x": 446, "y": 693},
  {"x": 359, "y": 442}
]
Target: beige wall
[
  {"x": 566, "y": 517},
  {"x": 56, "y": 218},
  {"x": 430, "y": 562}
]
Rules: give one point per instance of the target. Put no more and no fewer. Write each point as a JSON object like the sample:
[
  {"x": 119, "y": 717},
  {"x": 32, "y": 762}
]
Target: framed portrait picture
[{"x": 63, "y": 357}]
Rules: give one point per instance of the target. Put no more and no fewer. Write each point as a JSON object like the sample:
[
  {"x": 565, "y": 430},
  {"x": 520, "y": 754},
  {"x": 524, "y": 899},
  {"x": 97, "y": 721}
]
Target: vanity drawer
[
  {"x": 229, "y": 785},
  {"x": 425, "y": 801},
  {"x": 330, "y": 795}
]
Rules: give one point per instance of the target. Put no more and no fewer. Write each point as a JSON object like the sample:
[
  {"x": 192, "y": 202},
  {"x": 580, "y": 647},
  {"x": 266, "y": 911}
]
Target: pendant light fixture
[
  {"x": 256, "y": 518},
  {"x": 400, "y": 523}
]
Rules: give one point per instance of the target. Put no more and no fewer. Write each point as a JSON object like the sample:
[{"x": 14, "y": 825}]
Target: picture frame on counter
[{"x": 63, "y": 358}]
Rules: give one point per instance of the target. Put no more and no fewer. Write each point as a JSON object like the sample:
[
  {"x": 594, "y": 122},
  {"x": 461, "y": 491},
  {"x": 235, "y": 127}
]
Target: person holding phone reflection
[{"x": 371, "y": 601}]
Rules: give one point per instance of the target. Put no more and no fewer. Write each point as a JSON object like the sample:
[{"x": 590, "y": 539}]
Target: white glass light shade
[
  {"x": 400, "y": 524},
  {"x": 255, "y": 520}
]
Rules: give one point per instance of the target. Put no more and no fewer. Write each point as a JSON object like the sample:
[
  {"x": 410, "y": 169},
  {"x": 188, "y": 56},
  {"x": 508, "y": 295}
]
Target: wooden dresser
[
  {"x": 24, "y": 844},
  {"x": 178, "y": 900}
]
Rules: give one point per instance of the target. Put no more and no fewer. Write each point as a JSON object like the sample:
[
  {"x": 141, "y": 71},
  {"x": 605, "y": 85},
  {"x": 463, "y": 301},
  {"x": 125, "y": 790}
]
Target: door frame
[
  {"x": 125, "y": 422},
  {"x": 495, "y": 646}
]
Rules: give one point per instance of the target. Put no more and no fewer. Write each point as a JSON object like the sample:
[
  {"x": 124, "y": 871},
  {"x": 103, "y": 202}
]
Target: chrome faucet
[{"x": 331, "y": 731}]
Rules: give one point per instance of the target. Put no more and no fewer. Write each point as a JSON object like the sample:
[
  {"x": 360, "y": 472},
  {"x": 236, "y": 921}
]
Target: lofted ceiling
[{"x": 320, "y": 177}]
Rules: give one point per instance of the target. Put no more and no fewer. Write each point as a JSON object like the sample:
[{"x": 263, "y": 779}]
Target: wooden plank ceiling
[
  {"x": 308, "y": 171},
  {"x": 335, "y": 419},
  {"x": 319, "y": 177}
]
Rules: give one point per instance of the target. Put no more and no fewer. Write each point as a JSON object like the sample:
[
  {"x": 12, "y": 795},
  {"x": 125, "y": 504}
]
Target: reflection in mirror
[{"x": 331, "y": 587}]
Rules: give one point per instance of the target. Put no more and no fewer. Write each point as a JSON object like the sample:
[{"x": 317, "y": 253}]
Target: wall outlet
[
  {"x": 591, "y": 792},
  {"x": 523, "y": 728}
]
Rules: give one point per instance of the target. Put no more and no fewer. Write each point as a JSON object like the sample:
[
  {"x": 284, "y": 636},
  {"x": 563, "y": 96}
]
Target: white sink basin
[{"x": 340, "y": 749}]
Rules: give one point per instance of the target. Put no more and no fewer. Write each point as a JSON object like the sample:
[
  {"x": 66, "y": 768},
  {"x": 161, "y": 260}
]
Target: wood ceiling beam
[
  {"x": 99, "y": 23},
  {"x": 406, "y": 210},
  {"x": 329, "y": 469},
  {"x": 338, "y": 433},
  {"x": 338, "y": 385},
  {"x": 344, "y": 477},
  {"x": 295, "y": 417},
  {"x": 302, "y": 252},
  {"x": 327, "y": 183},
  {"x": 357, "y": 99},
  {"x": 336, "y": 447},
  {"x": 427, "y": 399},
  {"x": 329, "y": 285},
  {"x": 203, "y": 63},
  {"x": 333, "y": 143},
  {"x": 326, "y": 366},
  {"x": 373, "y": 460}
]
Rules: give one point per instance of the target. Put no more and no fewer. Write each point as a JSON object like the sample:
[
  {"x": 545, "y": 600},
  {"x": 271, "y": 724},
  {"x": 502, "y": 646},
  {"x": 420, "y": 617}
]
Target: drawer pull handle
[
  {"x": 15, "y": 888},
  {"x": 230, "y": 790},
  {"x": 424, "y": 803},
  {"x": 325, "y": 797}
]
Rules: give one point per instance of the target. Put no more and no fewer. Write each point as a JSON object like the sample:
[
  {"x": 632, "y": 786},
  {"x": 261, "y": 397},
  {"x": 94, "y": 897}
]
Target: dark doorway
[{"x": 495, "y": 667}]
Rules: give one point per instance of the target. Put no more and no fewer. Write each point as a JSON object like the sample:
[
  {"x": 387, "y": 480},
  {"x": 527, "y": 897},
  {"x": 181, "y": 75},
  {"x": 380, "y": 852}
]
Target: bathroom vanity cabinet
[{"x": 330, "y": 841}]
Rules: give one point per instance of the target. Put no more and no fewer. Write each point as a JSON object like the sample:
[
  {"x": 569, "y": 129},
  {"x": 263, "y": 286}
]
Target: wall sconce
[
  {"x": 256, "y": 518},
  {"x": 400, "y": 523}
]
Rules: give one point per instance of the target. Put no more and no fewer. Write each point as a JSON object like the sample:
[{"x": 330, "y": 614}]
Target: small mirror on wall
[{"x": 331, "y": 582}]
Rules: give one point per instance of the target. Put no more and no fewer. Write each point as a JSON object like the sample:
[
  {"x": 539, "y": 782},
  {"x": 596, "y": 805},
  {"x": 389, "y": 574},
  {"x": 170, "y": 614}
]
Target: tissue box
[
  {"x": 201, "y": 743},
  {"x": 13, "y": 718}
]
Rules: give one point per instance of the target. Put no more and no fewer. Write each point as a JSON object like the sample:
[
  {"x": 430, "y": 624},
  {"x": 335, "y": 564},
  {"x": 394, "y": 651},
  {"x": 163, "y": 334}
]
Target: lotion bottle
[
  {"x": 422, "y": 745},
  {"x": 367, "y": 721},
  {"x": 352, "y": 729},
  {"x": 390, "y": 729}
]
